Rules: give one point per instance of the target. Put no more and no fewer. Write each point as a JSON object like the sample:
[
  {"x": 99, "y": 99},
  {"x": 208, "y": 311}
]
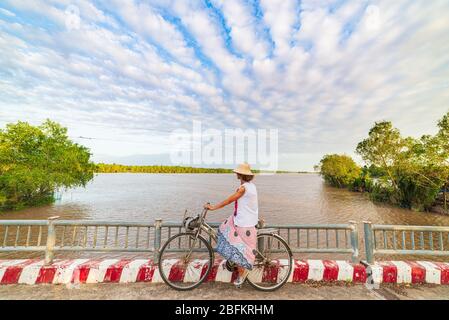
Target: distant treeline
[{"x": 119, "y": 168}]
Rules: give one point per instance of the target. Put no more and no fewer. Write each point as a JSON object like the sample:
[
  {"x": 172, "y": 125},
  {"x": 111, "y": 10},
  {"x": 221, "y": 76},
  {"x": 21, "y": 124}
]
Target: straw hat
[{"x": 244, "y": 169}]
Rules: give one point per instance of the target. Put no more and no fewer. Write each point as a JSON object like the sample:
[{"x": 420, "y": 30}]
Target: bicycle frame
[
  {"x": 195, "y": 226},
  {"x": 203, "y": 226}
]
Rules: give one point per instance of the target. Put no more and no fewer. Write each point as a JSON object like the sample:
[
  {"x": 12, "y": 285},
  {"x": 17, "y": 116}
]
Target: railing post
[
  {"x": 51, "y": 241},
  {"x": 369, "y": 239},
  {"x": 157, "y": 239},
  {"x": 354, "y": 241}
]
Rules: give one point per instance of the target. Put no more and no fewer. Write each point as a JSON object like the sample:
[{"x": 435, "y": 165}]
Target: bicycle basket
[{"x": 190, "y": 223}]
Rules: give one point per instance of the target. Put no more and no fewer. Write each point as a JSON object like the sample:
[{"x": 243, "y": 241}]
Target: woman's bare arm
[{"x": 234, "y": 197}]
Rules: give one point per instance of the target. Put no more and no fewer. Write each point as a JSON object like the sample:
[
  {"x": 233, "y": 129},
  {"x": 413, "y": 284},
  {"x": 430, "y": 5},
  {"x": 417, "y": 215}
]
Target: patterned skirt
[{"x": 237, "y": 244}]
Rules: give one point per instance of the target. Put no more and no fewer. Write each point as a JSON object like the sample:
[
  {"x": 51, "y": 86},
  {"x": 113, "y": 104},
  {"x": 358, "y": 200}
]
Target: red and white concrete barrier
[
  {"x": 143, "y": 270},
  {"x": 414, "y": 272}
]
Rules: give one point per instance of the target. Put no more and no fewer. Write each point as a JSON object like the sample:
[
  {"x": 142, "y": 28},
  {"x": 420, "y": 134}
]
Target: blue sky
[{"x": 127, "y": 73}]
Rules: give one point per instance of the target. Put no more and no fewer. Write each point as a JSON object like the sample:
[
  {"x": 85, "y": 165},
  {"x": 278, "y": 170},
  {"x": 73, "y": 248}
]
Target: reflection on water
[{"x": 285, "y": 198}]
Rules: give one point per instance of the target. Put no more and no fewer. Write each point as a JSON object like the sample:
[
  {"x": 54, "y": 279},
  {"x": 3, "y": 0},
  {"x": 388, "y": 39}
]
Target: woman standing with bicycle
[{"x": 237, "y": 235}]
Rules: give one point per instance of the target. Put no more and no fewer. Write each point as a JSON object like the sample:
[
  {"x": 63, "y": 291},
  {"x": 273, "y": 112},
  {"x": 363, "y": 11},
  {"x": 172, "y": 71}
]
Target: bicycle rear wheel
[
  {"x": 273, "y": 264},
  {"x": 185, "y": 261}
]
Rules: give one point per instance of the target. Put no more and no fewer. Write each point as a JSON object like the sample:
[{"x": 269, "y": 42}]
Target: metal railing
[
  {"x": 405, "y": 240},
  {"x": 321, "y": 238},
  {"x": 55, "y": 235}
]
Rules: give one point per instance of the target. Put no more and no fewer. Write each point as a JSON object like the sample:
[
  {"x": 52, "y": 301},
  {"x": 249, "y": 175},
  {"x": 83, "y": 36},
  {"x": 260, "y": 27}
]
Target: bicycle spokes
[
  {"x": 185, "y": 261},
  {"x": 273, "y": 263}
]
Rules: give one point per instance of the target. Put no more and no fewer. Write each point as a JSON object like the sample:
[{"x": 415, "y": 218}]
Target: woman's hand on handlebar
[{"x": 209, "y": 207}]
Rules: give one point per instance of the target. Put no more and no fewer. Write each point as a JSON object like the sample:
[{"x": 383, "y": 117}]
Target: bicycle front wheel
[
  {"x": 273, "y": 264},
  {"x": 185, "y": 261}
]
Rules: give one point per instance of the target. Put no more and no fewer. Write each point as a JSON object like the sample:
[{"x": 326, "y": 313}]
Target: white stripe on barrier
[
  {"x": 194, "y": 269},
  {"x": 223, "y": 275},
  {"x": 316, "y": 270},
  {"x": 97, "y": 274},
  {"x": 283, "y": 268},
  {"x": 433, "y": 273},
  {"x": 404, "y": 271},
  {"x": 30, "y": 272},
  {"x": 375, "y": 274},
  {"x": 345, "y": 271},
  {"x": 130, "y": 271},
  {"x": 255, "y": 276}
]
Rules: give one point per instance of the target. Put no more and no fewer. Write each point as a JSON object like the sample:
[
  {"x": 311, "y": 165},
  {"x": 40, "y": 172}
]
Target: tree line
[
  {"x": 118, "y": 168},
  {"x": 405, "y": 171}
]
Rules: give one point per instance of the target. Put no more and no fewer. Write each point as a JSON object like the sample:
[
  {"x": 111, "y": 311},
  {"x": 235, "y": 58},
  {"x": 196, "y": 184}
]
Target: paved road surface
[{"x": 212, "y": 291}]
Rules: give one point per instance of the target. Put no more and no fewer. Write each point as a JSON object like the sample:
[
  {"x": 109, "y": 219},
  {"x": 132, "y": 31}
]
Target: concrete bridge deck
[{"x": 214, "y": 291}]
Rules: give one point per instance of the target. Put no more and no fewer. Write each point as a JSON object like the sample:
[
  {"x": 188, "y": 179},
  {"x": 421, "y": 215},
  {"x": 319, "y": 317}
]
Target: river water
[{"x": 283, "y": 198}]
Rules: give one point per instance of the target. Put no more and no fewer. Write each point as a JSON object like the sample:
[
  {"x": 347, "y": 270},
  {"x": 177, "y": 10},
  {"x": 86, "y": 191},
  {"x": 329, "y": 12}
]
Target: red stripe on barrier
[
  {"x": 83, "y": 270},
  {"x": 330, "y": 270},
  {"x": 300, "y": 271},
  {"x": 359, "y": 273},
  {"x": 177, "y": 272},
  {"x": 213, "y": 272},
  {"x": 390, "y": 272},
  {"x": 47, "y": 273},
  {"x": 418, "y": 272},
  {"x": 270, "y": 273},
  {"x": 114, "y": 272},
  {"x": 146, "y": 272},
  {"x": 12, "y": 273},
  {"x": 444, "y": 268}
]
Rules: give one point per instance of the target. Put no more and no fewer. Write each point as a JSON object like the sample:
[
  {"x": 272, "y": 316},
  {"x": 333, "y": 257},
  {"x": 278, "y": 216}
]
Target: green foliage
[
  {"x": 339, "y": 170},
  {"x": 37, "y": 160},
  {"x": 410, "y": 172},
  {"x": 401, "y": 170},
  {"x": 364, "y": 182},
  {"x": 381, "y": 193},
  {"x": 375, "y": 172}
]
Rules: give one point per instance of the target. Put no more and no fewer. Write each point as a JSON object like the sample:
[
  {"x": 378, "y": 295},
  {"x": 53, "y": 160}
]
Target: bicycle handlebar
[{"x": 205, "y": 210}]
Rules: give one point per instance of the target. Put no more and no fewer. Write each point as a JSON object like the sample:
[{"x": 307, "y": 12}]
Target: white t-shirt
[{"x": 247, "y": 207}]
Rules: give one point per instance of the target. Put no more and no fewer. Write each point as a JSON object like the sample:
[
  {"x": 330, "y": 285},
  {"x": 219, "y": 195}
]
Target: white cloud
[
  {"x": 319, "y": 73},
  {"x": 7, "y": 12}
]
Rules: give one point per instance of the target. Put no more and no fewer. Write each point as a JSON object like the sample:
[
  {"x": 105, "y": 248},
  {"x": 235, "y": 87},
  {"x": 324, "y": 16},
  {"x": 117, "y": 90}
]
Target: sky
[{"x": 126, "y": 74}]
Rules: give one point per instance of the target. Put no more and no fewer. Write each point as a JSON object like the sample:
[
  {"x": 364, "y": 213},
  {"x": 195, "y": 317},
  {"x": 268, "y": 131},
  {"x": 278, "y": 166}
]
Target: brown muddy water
[{"x": 283, "y": 198}]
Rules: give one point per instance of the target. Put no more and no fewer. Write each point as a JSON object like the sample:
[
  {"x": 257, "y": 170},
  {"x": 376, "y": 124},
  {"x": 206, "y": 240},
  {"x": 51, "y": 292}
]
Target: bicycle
[{"x": 194, "y": 257}]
